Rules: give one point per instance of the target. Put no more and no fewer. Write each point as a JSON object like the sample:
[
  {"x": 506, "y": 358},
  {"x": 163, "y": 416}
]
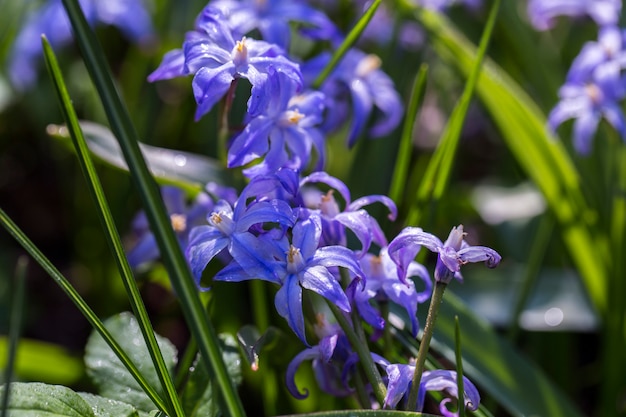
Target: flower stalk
[{"x": 431, "y": 318}]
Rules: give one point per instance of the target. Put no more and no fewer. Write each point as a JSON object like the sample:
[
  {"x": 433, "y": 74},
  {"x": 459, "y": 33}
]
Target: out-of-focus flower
[
  {"x": 212, "y": 55},
  {"x": 542, "y": 13},
  {"x": 589, "y": 101},
  {"x": 272, "y": 18},
  {"x": 381, "y": 284},
  {"x": 182, "y": 216},
  {"x": 451, "y": 254},
  {"x": 129, "y": 16},
  {"x": 294, "y": 265},
  {"x": 400, "y": 379},
  {"x": 282, "y": 127},
  {"x": 357, "y": 81},
  {"x": 605, "y": 56},
  {"x": 353, "y": 216}
]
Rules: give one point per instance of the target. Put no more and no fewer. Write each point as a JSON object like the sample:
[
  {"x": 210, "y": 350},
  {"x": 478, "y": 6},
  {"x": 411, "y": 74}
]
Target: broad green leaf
[
  {"x": 545, "y": 160},
  {"x": 108, "y": 373},
  {"x": 493, "y": 364},
  {"x": 36, "y": 360},
  {"x": 198, "y": 395},
  {"x": 35, "y": 399},
  {"x": 185, "y": 169},
  {"x": 106, "y": 407}
]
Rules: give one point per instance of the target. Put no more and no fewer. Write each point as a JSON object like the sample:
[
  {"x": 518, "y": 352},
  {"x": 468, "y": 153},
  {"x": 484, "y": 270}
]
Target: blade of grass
[
  {"x": 523, "y": 128},
  {"x": 175, "y": 263},
  {"x": 16, "y": 308},
  {"x": 459, "y": 367},
  {"x": 91, "y": 317},
  {"x": 352, "y": 37},
  {"x": 401, "y": 170},
  {"x": 112, "y": 236},
  {"x": 439, "y": 169}
]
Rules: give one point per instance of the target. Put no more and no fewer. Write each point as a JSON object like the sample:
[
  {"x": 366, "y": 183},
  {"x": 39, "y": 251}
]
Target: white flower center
[
  {"x": 295, "y": 262},
  {"x": 222, "y": 222},
  {"x": 240, "y": 53},
  {"x": 594, "y": 92},
  {"x": 179, "y": 222},
  {"x": 291, "y": 117},
  {"x": 328, "y": 205},
  {"x": 366, "y": 65}
]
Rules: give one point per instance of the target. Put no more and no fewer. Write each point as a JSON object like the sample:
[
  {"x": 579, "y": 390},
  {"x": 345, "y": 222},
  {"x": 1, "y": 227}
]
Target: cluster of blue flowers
[
  {"x": 285, "y": 226},
  {"x": 595, "y": 85}
]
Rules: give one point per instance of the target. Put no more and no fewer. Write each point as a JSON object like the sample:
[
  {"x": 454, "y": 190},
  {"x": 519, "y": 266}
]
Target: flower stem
[
  {"x": 362, "y": 349},
  {"x": 429, "y": 328}
]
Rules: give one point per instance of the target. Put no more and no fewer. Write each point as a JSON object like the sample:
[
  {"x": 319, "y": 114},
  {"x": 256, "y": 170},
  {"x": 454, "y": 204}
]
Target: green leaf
[
  {"x": 198, "y": 395},
  {"x": 42, "y": 361},
  {"x": 35, "y": 399},
  {"x": 171, "y": 166},
  {"x": 545, "y": 160},
  {"x": 495, "y": 365},
  {"x": 108, "y": 373},
  {"x": 106, "y": 407}
]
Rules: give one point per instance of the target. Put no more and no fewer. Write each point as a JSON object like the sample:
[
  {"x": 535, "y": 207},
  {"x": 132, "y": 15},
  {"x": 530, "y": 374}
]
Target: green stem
[
  {"x": 459, "y": 367},
  {"x": 362, "y": 349},
  {"x": 429, "y": 328}
]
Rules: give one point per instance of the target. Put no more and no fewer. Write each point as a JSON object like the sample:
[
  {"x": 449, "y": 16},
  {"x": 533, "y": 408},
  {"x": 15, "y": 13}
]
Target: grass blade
[
  {"x": 112, "y": 236},
  {"x": 175, "y": 263},
  {"x": 93, "y": 319}
]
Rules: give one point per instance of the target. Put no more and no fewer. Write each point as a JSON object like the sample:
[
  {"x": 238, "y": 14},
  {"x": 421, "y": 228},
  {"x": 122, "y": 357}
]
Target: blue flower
[
  {"x": 589, "y": 101},
  {"x": 272, "y": 18},
  {"x": 353, "y": 216},
  {"x": 542, "y": 13},
  {"x": 183, "y": 218},
  {"x": 451, "y": 254},
  {"x": 606, "y": 56},
  {"x": 294, "y": 265},
  {"x": 400, "y": 379},
  {"x": 282, "y": 127},
  {"x": 211, "y": 53},
  {"x": 129, "y": 16},
  {"x": 357, "y": 79},
  {"x": 381, "y": 284}
]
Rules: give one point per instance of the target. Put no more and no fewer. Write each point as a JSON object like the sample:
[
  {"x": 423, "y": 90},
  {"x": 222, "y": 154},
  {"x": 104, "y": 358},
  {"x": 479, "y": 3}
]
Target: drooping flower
[
  {"x": 400, "y": 377},
  {"x": 216, "y": 59},
  {"x": 294, "y": 264},
  {"x": 353, "y": 216},
  {"x": 272, "y": 18},
  {"x": 451, "y": 254},
  {"x": 542, "y": 13},
  {"x": 357, "y": 81},
  {"x": 381, "y": 284},
  {"x": 129, "y": 16},
  {"x": 282, "y": 127}
]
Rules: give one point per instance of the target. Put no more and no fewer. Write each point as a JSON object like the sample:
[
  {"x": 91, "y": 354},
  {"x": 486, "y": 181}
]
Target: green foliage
[{"x": 36, "y": 399}]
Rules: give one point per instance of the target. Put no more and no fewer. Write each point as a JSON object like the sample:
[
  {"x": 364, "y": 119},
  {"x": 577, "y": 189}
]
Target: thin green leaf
[
  {"x": 439, "y": 169},
  {"x": 352, "y": 37},
  {"x": 16, "y": 309},
  {"x": 95, "y": 322},
  {"x": 175, "y": 263},
  {"x": 184, "y": 169},
  {"x": 112, "y": 236},
  {"x": 458, "y": 360},
  {"x": 523, "y": 128},
  {"x": 401, "y": 170},
  {"x": 35, "y": 399}
]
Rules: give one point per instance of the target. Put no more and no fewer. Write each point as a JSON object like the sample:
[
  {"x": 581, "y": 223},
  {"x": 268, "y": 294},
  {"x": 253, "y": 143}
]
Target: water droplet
[
  {"x": 553, "y": 316},
  {"x": 180, "y": 160}
]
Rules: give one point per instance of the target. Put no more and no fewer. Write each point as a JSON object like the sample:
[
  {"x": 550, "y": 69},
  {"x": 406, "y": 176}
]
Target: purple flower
[
  {"x": 382, "y": 284},
  {"x": 211, "y": 53},
  {"x": 400, "y": 379},
  {"x": 353, "y": 216},
  {"x": 282, "y": 127},
  {"x": 294, "y": 265},
  {"x": 602, "y": 57},
  {"x": 129, "y": 16},
  {"x": 183, "y": 218},
  {"x": 542, "y": 13},
  {"x": 359, "y": 79},
  {"x": 589, "y": 101},
  {"x": 451, "y": 254},
  {"x": 272, "y": 18}
]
